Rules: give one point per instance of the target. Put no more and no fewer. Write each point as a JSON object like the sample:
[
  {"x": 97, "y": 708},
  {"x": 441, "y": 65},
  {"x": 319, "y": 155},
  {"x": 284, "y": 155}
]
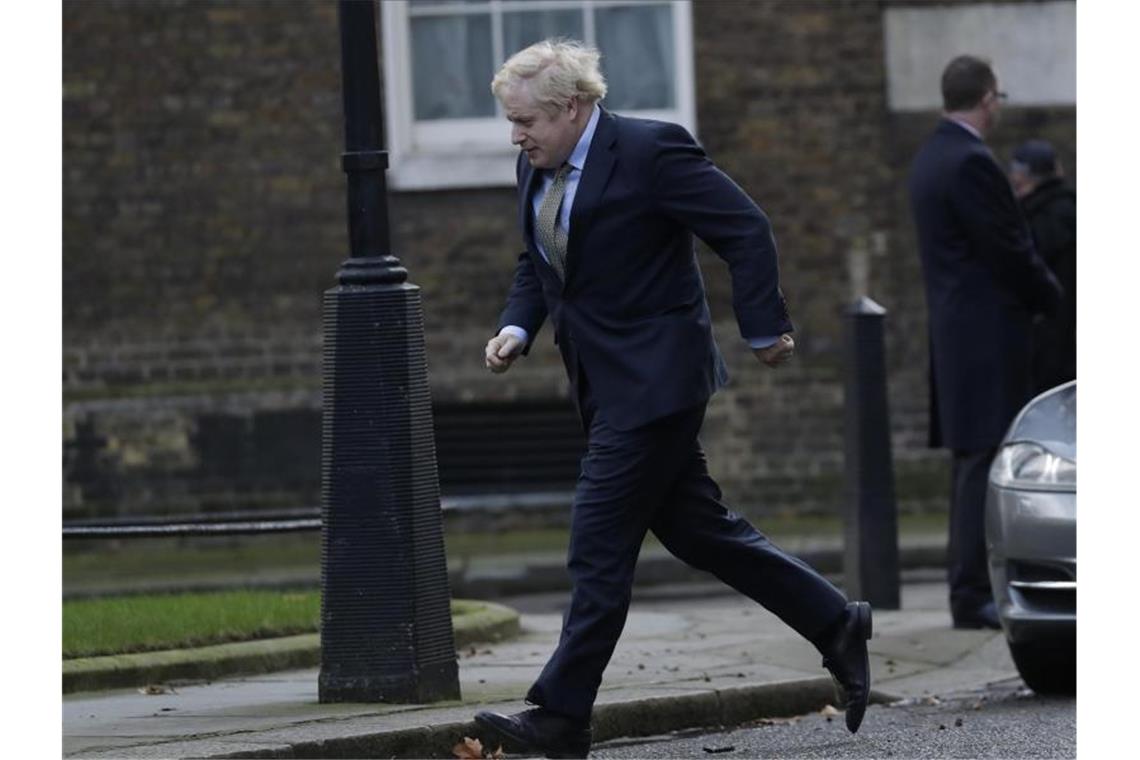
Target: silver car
[{"x": 1031, "y": 537}]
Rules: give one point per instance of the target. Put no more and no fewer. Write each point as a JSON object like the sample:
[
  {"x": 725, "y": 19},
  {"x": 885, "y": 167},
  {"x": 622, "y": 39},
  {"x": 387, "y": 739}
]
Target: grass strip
[{"x": 152, "y": 622}]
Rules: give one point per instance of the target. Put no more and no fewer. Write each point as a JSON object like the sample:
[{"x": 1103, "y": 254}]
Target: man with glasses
[{"x": 984, "y": 285}]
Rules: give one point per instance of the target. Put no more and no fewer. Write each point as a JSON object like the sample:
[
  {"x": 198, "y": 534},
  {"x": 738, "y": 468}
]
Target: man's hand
[
  {"x": 501, "y": 352},
  {"x": 777, "y": 353}
]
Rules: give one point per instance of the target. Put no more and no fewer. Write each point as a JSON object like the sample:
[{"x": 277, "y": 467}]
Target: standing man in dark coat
[
  {"x": 608, "y": 207},
  {"x": 984, "y": 284},
  {"x": 1050, "y": 207}
]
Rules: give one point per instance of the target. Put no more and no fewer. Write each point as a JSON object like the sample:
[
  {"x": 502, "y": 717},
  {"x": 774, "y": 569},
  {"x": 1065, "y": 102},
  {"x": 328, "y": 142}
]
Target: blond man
[{"x": 608, "y": 207}]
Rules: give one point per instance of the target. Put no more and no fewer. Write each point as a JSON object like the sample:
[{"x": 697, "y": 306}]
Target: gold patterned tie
[{"x": 553, "y": 237}]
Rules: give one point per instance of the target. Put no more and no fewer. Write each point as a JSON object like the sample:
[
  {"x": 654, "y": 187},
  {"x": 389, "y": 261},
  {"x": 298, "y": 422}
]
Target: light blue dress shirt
[{"x": 577, "y": 161}]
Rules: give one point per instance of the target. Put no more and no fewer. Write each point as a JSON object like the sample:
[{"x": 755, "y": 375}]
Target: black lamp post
[{"x": 386, "y": 630}]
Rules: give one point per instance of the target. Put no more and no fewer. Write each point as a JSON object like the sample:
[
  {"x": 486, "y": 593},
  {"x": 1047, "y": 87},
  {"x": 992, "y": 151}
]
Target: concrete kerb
[
  {"x": 489, "y": 622},
  {"x": 651, "y": 716}
]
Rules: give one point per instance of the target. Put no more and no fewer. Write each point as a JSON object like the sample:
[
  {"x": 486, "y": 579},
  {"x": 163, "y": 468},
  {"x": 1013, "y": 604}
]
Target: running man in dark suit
[
  {"x": 984, "y": 283},
  {"x": 608, "y": 207}
]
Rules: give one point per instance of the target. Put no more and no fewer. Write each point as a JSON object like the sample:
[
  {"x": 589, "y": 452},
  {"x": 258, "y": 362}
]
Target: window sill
[{"x": 441, "y": 171}]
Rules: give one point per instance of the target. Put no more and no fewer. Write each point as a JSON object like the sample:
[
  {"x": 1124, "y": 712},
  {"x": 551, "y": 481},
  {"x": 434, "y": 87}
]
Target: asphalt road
[{"x": 1005, "y": 720}]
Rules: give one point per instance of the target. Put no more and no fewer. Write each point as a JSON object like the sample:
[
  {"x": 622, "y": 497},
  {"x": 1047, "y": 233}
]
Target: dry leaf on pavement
[
  {"x": 829, "y": 711},
  {"x": 152, "y": 689},
  {"x": 777, "y": 721},
  {"x": 468, "y": 749}
]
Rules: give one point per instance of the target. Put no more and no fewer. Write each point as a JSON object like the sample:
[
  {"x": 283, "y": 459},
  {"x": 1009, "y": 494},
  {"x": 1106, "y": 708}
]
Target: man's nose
[{"x": 517, "y": 136}]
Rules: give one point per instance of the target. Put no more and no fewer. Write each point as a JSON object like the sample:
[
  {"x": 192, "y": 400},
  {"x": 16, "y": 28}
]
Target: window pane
[
  {"x": 637, "y": 56},
  {"x": 528, "y": 27},
  {"x": 413, "y": 4},
  {"x": 452, "y": 67}
]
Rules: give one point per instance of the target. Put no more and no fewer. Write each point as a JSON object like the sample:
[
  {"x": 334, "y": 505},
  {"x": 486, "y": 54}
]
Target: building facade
[{"x": 204, "y": 216}]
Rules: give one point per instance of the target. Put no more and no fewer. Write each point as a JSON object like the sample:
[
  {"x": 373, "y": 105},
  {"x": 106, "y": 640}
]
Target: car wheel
[{"x": 1047, "y": 667}]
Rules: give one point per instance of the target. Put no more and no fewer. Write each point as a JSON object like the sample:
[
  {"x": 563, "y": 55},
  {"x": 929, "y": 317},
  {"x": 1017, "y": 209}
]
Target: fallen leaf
[
  {"x": 829, "y": 711},
  {"x": 941, "y": 727},
  {"x": 717, "y": 750},
  {"x": 497, "y": 754},
  {"x": 468, "y": 749},
  {"x": 958, "y": 723},
  {"x": 776, "y": 721},
  {"x": 152, "y": 689}
]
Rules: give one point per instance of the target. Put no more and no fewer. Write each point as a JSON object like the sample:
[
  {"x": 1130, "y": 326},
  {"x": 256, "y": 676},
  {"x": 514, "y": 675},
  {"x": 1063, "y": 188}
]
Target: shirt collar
[
  {"x": 578, "y": 155},
  {"x": 968, "y": 127}
]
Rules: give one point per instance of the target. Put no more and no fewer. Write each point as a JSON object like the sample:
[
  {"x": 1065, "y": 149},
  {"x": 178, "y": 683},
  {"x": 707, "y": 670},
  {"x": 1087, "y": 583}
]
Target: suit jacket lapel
[{"x": 595, "y": 174}]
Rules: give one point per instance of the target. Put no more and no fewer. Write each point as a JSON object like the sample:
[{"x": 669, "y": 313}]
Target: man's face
[
  {"x": 992, "y": 105},
  {"x": 547, "y": 140}
]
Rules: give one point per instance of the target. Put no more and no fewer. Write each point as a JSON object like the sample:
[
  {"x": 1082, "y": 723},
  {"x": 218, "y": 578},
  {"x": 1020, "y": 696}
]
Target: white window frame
[{"x": 459, "y": 153}]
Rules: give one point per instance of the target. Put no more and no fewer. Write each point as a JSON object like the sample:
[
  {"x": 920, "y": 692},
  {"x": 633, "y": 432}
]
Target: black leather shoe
[
  {"x": 981, "y": 617},
  {"x": 540, "y": 730},
  {"x": 846, "y": 657}
]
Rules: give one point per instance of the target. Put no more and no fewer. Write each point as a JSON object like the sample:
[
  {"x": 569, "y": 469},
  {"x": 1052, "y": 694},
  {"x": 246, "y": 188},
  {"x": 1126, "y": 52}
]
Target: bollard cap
[{"x": 864, "y": 306}]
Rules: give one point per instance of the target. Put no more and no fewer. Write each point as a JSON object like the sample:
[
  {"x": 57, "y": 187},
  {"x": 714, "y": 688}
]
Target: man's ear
[{"x": 573, "y": 107}]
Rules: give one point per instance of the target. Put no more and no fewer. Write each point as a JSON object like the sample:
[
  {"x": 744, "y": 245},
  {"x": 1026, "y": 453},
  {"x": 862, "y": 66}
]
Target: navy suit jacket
[
  {"x": 632, "y": 314},
  {"x": 984, "y": 283}
]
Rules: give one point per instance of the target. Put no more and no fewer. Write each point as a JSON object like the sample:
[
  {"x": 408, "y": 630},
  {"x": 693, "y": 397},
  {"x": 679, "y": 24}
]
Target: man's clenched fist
[
  {"x": 777, "y": 353},
  {"x": 501, "y": 352}
]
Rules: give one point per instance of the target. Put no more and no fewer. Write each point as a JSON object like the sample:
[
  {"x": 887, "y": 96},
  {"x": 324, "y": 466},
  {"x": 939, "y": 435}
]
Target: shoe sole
[
  {"x": 863, "y": 621},
  {"x": 863, "y": 615}
]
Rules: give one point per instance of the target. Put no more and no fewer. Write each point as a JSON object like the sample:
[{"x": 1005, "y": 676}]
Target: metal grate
[{"x": 508, "y": 447}]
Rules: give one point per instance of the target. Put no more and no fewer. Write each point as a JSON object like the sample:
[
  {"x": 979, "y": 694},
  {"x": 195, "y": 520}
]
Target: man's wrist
[
  {"x": 515, "y": 331},
  {"x": 762, "y": 342}
]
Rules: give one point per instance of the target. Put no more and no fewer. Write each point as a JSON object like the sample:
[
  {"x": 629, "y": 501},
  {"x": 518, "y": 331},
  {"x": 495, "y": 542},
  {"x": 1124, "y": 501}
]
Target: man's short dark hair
[{"x": 965, "y": 81}]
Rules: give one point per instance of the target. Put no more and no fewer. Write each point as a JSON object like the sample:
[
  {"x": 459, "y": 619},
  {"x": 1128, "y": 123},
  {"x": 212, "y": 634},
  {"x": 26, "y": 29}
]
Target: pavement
[{"x": 694, "y": 655}]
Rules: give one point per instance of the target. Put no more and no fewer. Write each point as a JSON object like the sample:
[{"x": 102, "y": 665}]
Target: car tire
[{"x": 1047, "y": 667}]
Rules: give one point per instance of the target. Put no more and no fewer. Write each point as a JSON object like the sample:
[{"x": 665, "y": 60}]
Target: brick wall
[{"x": 204, "y": 217}]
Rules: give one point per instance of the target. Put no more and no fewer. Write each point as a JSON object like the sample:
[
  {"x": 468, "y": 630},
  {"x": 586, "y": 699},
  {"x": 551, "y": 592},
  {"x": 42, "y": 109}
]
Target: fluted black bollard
[
  {"x": 386, "y": 631},
  {"x": 871, "y": 548}
]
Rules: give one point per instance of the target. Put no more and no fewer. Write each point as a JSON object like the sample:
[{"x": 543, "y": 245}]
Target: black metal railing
[{"x": 249, "y": 522}]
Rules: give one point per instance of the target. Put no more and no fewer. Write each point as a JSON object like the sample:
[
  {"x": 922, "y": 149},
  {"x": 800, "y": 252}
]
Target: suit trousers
[
  {"x": 967, "y": 569},
  {"x": 655, "y": 478}
]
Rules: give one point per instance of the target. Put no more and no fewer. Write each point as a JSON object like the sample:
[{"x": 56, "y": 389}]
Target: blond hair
[{"x": 556, "y": 70}]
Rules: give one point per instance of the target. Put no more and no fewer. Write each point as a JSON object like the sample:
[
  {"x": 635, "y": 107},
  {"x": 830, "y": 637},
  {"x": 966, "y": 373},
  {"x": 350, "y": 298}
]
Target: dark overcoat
[
  {"x": 1051, "y": 210},
  {"x": 984, "y": 284}
]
